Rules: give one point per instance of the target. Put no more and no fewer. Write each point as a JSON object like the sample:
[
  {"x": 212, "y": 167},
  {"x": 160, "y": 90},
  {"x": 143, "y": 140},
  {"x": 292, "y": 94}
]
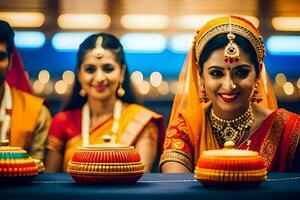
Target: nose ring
[{"x": 233, "y": 85}]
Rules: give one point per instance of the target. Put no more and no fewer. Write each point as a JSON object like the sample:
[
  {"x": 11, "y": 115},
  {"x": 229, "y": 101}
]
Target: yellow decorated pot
[{"x": 230, "y": 166}]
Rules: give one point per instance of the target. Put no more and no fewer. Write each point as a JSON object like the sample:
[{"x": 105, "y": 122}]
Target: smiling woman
[
  {"x": 225, "y": 95},
  {"x": 102, "y": 103},
  {"x": 228, "y": 85}
]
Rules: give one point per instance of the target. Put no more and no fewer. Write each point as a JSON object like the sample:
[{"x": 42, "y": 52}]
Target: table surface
[{"x": 152, "y": 186}]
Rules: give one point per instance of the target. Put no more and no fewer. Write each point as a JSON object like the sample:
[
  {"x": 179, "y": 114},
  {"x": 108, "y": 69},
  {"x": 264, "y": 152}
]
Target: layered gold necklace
[{"x": 231, "y": 130}]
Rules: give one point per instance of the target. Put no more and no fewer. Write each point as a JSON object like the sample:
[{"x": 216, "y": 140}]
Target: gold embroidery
[
  {"x": 171, "y": 132},
  {"x": 167, "y": 143},
  {"x": 178, "y": 156},
  {"x": 175, "y": 123},
  {"x": 271, "y": 142},
  {"x": 177, "y": 144},
  {"x": 293, "y": 144}
]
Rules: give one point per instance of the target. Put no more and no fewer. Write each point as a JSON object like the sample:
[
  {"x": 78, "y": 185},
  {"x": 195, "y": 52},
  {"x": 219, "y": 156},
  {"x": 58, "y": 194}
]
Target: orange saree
[
  {"x": 25, "y": 112},
  {"x": 65, "y": 132}
]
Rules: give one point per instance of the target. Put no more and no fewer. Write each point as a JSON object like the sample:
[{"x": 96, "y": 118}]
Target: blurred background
[{"x": 156, "y": 35}]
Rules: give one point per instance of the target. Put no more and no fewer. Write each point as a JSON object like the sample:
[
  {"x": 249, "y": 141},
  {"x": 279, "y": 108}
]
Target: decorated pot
[
  {"x": 106, "y": 163},
  {"x": 16, "y": 166},
  {"x": 230, "y": 166}
]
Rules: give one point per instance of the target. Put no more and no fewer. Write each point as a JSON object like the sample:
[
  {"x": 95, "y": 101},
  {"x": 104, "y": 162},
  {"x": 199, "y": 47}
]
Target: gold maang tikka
[
  {"x": 232, "y": 51},
  {"x": 98, "y": 51}
]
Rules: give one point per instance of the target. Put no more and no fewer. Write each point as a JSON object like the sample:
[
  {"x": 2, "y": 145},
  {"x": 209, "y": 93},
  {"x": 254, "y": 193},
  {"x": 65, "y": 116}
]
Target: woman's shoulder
[
  {"x": 285, "y": 118},
  {"x": 279, "y": 114},
  {"x": 286, "y": 112},
  {"x": 284, "y": 115},
  {"x": 139, "y": 108},
  {"x": 65, "y": 124},
  {"x": 67, "y": 116}
]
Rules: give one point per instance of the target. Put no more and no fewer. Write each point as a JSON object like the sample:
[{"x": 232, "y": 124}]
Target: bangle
[{"x": 178, "y": 157}]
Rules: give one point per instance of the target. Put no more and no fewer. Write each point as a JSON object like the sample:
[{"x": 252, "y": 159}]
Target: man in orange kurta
[{"x": 25, "y": 119}]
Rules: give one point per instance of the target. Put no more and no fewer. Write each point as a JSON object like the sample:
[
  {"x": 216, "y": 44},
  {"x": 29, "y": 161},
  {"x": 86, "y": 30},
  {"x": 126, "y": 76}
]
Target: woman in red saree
[
  {"x": 99, "y": 105},
  {"x": 225, "y": 94}
]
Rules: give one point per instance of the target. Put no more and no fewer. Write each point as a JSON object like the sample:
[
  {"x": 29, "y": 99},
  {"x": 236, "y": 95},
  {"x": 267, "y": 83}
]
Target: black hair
[
  {"x": 113, "y": 44},
  {"x": 220, "y": 41},
  {"x": 7, "y": 36}
]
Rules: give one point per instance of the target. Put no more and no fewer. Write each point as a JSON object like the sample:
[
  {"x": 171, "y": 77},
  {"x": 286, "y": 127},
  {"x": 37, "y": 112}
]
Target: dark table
[{"x": 152, "y": 186}]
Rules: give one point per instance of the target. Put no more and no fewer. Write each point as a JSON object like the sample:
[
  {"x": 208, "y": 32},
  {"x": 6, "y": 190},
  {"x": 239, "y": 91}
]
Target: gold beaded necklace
[{"x": 231, "y": 130}]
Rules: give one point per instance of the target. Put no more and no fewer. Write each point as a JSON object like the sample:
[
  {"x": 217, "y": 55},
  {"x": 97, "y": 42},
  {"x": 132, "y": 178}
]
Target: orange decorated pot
[
  {"x": 106, "y": 163},
  {"x": 230, "y": 166},
  {"x": 16, "y": 166}
]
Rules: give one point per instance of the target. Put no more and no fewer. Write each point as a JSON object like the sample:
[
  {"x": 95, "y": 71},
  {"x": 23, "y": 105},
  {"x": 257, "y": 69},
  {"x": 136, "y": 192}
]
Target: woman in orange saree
[
  {"x": 99, "y": 105},
  {"x": 24, "y": 119},
  {"x": 224, "y": 93}
]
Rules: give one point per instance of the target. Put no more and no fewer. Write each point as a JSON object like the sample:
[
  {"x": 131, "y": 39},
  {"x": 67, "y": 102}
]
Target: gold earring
[
  {"x": 203, "y": 96},
  {"x": 256, "y": 97},
  {"x": 82, "y": 92},
  {"x": 120, "y": 91}
]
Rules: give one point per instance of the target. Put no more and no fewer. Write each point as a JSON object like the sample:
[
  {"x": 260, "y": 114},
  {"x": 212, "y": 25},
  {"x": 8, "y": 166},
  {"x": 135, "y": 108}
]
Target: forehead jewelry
[
  {"x": 231, "y": 52},
  {"x": 98, "y": 51}
]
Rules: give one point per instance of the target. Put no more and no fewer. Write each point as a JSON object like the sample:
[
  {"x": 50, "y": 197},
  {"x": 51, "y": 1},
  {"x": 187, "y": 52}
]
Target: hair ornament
[
  {"x": 98, "y": 51},
  {"x": 232, "y": 51}
]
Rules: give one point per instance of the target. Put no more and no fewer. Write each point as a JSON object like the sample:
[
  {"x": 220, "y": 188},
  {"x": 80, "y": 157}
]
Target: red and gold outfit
[
  {"x": 136, "y": 123},
  {"x": 190, "y": 133},
  {"x": 276, "y": 141}
]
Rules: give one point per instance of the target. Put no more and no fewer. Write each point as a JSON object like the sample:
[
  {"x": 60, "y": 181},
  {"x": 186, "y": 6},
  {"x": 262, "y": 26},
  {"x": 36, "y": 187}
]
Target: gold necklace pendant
[{"x": 231, "y": 130}]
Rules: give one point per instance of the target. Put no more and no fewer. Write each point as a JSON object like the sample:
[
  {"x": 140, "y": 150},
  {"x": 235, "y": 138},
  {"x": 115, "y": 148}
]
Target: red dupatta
[
  {"x": 15, "y": 76},
  {"x": 276, "y": 140}
]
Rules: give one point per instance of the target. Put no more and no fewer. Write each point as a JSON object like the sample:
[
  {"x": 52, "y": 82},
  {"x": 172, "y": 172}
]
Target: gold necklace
[{"x": 231, "y": 130}]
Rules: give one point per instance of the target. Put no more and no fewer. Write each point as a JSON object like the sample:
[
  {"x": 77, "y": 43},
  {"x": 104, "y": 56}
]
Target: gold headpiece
[
  {"x": 98, "y": 51},
  {"x": 232, "y": 51},
  {"x": 232, "y": 25}
]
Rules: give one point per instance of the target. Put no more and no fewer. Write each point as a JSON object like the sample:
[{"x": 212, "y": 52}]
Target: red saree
[{"x": 276, "y": 140}]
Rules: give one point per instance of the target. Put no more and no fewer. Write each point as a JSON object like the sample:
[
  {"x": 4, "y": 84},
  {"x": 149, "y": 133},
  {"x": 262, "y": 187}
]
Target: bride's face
[{"x": 229, "y": 86}]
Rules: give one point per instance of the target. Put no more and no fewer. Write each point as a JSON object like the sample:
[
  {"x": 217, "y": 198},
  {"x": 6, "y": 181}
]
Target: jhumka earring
[
  {"x": 82, "y": 92},
  {"x": 256, "y": 96},
  {"x": 203, "y": 96},
  {"x": 231, "y": 52},
  {"x": 120, "y": 91}
]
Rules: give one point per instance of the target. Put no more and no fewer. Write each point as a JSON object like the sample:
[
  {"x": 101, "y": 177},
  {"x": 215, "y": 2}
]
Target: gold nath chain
[{"x": 231, "y": 130}]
